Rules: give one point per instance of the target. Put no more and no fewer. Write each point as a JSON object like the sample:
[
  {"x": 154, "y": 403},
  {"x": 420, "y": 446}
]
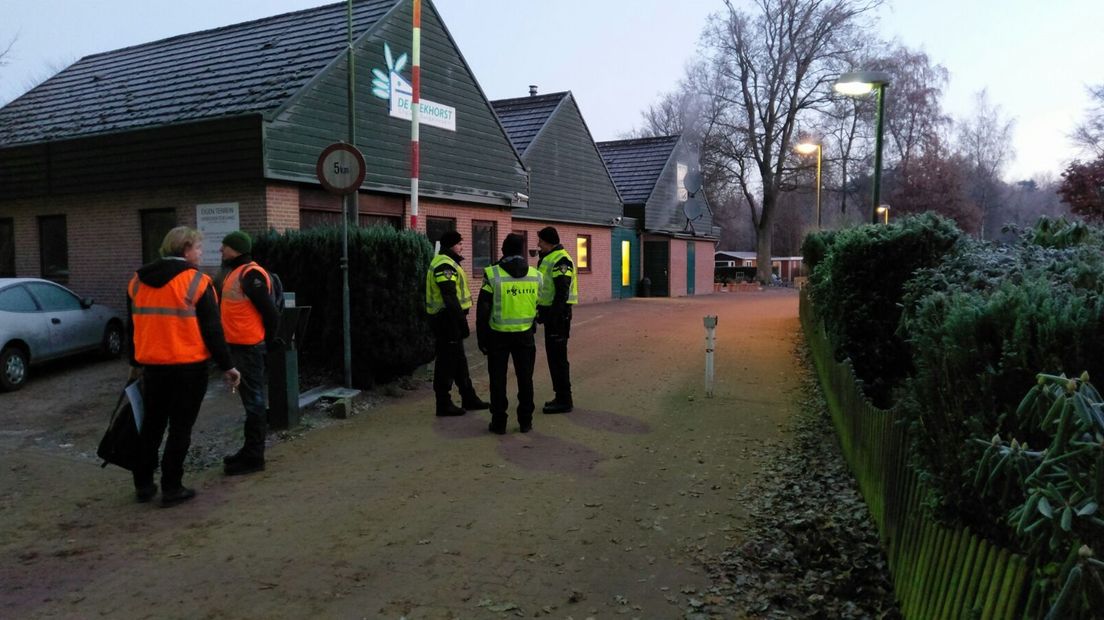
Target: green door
[
  {"x": 625, "y": 262},
  {"x": 690, "y": 267}
]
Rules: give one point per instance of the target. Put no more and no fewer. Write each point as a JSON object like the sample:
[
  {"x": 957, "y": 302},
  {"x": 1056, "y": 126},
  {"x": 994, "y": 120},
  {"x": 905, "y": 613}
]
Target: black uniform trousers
[
  {"x": 520, "y": 347},
  {"x": 557, "y": 331},
  {"x": 250, "y": 362},
  {"x": 451, "y": 365},
  {"x": 171, "y": 397}
]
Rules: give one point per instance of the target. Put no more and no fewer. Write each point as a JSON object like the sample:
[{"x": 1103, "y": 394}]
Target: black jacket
[
  {"x": 451, "y": 324},
  {"x": 159, "y": 273},
  {"x": 557, "y": 317},
  {"x": 517, "y": 267},
  {"x": 256, "y": 289}
]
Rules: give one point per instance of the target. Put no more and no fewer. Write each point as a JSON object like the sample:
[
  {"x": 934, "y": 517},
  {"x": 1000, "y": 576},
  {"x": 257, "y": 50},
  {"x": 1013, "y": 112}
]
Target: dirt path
[{"x": 598, "y": 513}]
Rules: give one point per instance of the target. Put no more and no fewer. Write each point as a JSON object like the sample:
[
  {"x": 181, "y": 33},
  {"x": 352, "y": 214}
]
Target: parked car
[{"x": 41, "y": 321}]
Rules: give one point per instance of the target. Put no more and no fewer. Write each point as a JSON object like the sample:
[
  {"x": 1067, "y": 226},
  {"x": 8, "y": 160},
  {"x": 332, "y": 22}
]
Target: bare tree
[
  {"x": 1089, "y": 134},
  {"x": 985, "y": 142},
  {"x": 769, "y": 68}
]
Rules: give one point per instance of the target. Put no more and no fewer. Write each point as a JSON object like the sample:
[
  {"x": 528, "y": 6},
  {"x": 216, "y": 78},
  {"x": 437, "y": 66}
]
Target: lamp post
[
  {"x": 807, "y": 148},
  {"x": 884, "y": 211},
  {"x": 857, "y": 83}
]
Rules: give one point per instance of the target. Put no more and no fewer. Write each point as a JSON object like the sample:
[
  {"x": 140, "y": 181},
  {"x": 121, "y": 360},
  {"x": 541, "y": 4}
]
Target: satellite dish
[
  {"x": 693, "y": 208},
  {"x": 693, "y": 182}
]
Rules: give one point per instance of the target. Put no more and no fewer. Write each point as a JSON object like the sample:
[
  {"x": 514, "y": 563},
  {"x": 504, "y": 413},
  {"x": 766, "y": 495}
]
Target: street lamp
[
  {"x": 857, "y": 83},
  {"x": 884, "y": 211},
  {"x": 808, "y": 148}
]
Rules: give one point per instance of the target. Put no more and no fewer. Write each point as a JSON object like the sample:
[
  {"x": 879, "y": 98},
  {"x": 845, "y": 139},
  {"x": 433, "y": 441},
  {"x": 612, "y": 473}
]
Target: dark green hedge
[
  {"x": 390, "y": 333},
  {"x": 980, "y": 327},
  {"x": 857, "y": 288}
]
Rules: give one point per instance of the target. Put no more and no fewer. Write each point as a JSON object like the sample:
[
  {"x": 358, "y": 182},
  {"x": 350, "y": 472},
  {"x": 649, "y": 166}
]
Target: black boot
[
  {"x": 244, "y": 465},
  {"x": 176, "y": 496},
  {"x": 497, "y": 425},
  {"x": 448, "y": 409},
  {"x": 145, "y": 493},
  {"x": 558, "y": 406},
  {"x": 474, "y": 403}
]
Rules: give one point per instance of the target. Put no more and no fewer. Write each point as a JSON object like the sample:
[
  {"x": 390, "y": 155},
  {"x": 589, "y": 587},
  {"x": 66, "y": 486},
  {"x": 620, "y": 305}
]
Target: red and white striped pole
[{"x": 415, "y": 110}]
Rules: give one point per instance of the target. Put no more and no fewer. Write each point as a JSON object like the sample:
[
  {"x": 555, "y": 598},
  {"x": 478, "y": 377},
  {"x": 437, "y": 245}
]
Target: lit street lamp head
[
  {"x": 807, "y": 148},
  {"x": 855, "y": 83}
]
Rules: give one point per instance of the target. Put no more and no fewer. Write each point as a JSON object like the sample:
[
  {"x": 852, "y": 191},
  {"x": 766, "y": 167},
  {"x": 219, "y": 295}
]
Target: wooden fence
[{"x": 937, "y": 572}]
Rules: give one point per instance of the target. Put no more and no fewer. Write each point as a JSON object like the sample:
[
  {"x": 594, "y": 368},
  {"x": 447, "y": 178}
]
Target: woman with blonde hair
[{"x": 175, "y": 329}]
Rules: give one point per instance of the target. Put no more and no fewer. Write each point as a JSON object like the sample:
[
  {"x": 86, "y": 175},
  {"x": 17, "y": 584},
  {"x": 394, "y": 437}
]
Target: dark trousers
[
  {"x": 555, "y": 345},
  {"x": 451, "y": 367},
  {"x": 172, "y": 396},
  {"x": 250, "y": 362},
  {"x": 498, "y": 358}
]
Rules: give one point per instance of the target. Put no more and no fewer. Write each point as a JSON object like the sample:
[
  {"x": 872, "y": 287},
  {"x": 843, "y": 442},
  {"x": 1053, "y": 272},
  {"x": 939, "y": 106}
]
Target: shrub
[
  {"x": 858, "y": 286},
  {"x": 390, "y": 331},
  {"x": 815, "y": 247},
  {"x": 979, "y": 327}
]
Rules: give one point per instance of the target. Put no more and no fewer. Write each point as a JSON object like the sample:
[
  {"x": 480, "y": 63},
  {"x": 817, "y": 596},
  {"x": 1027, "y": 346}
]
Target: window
[
  {"x": 53, "y": 298},
  {"x": 7, "y": 247},
  {"x": 680, "y": 182},
  {"x": 482, "y": 245},
  {"x": 16, "y": 299},
  {"x": 373, "y": 219},
  {"x": 53, "y": 248},
  {"x": 626, "y": 250},
  {"x": 582, "y": 253},
  {"x": 437, "y": 226},
  {"x": 156, "y": 223}
]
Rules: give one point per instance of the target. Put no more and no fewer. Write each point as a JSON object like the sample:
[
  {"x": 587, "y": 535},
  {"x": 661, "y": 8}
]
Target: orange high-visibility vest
[
  {"x": 241, "y": 322},
  {"x": 166, "y": 330}
]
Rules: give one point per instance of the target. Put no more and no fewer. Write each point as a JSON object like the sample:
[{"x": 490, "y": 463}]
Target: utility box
[{"x": 283, "y": 368}]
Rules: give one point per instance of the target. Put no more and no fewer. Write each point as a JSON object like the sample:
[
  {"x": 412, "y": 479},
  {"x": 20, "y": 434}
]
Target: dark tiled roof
[
  {"x": 252, "y": 67},
  {"x": 524, "y": 117},
  {"x": 635, "y": 165}
]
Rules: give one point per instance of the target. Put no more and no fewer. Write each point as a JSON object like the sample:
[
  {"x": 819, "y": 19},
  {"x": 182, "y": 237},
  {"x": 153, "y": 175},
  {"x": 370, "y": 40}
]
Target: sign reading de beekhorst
[{"x": 341, "y": 168}]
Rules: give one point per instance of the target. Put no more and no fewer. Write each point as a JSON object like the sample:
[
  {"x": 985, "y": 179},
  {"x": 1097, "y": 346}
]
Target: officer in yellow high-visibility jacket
[
  {"x": 504, "y": 323},
  {"x": 554, "y": 310},
  {"x": 447, "y": 302}
]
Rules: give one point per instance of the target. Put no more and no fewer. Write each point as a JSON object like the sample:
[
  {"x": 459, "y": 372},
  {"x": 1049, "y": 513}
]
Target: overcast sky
[{"x": 1034, "y": 56}]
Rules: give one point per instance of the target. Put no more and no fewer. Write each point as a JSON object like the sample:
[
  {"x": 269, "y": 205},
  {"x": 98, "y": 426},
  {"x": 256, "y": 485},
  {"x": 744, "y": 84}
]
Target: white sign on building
[
  {"x": 435, "y": 114},
  {"x": 215, "y": 221}
]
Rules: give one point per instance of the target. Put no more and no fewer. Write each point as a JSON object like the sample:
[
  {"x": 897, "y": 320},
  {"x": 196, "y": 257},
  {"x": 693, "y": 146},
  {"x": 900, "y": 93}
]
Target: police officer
[
  {"x": 504, "y": 327},
  {"x": 448, "y": 300},
  {"x": 250, "y": 321},
  {"x": 561, "y": 291},
  {"x": 174, "y": 331}
]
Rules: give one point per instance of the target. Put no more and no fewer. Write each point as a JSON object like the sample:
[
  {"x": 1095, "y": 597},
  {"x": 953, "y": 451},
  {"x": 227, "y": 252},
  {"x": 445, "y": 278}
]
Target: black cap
[
  {"x": 513, "y": 245},
  {"x": 450, "y": 239},
  {"x": 549, "y": 235}
]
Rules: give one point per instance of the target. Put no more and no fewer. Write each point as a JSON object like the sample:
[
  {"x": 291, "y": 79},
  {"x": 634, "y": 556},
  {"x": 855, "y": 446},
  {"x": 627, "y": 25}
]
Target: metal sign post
[
  {"x": 710, "y": 345},
  {"x": 341, "y": 170}
]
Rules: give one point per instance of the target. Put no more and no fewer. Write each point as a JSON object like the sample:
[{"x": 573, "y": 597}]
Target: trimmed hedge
[
  {"x": 857, "y": 289},
  {"x": 390, "y": 331},
  {"x": 981, "y": 327}
]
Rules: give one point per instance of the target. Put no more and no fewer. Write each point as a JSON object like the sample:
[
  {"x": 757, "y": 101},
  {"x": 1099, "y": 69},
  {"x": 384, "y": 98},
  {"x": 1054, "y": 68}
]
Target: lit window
[
  {"x": 626, "y": 248},
  {"x": 582, "y": 253}
]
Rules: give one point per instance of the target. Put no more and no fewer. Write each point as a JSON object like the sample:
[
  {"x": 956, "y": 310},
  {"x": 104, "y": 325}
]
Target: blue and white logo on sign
[{"x": 394, "y": 88}]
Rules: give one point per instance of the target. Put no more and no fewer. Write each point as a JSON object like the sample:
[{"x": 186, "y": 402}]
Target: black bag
[{"x": 121, "y": 445}]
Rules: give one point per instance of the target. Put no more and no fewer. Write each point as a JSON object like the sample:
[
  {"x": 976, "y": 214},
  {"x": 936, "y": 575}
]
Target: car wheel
[
  {"x": 13, "y": 369},
  {"x": 112, "y": 344}
]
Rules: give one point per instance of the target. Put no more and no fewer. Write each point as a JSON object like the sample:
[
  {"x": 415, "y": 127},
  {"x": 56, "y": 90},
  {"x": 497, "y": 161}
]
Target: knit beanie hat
[
  {"x": 549, "y": 235},
  {"x": 513, "y": 245},
  {"x": 450, "y": 239},
  {"x": 238, "y": 241}
]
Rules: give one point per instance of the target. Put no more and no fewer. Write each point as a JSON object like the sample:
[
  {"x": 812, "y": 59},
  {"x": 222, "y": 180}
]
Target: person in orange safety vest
[
  {"x": 250, "y": 321},
  {"x": 174, "y": 331}
]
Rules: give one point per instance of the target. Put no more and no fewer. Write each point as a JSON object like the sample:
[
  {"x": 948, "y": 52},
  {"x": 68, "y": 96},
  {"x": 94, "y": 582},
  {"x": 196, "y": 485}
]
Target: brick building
[
  {"x": 676, "y": 244},
  {"x": 99, "y": 161}
]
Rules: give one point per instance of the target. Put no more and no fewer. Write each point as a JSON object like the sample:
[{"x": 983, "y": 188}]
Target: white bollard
[{"x": 710, "y": 343}]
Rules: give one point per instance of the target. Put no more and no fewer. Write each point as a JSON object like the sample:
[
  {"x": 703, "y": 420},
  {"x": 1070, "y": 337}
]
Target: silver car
[{"x": 41, "y": 321}]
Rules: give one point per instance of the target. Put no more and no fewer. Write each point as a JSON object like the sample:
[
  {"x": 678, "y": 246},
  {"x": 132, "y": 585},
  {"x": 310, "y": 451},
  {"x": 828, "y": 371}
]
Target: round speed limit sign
[{"x": 341, "y": 168}]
